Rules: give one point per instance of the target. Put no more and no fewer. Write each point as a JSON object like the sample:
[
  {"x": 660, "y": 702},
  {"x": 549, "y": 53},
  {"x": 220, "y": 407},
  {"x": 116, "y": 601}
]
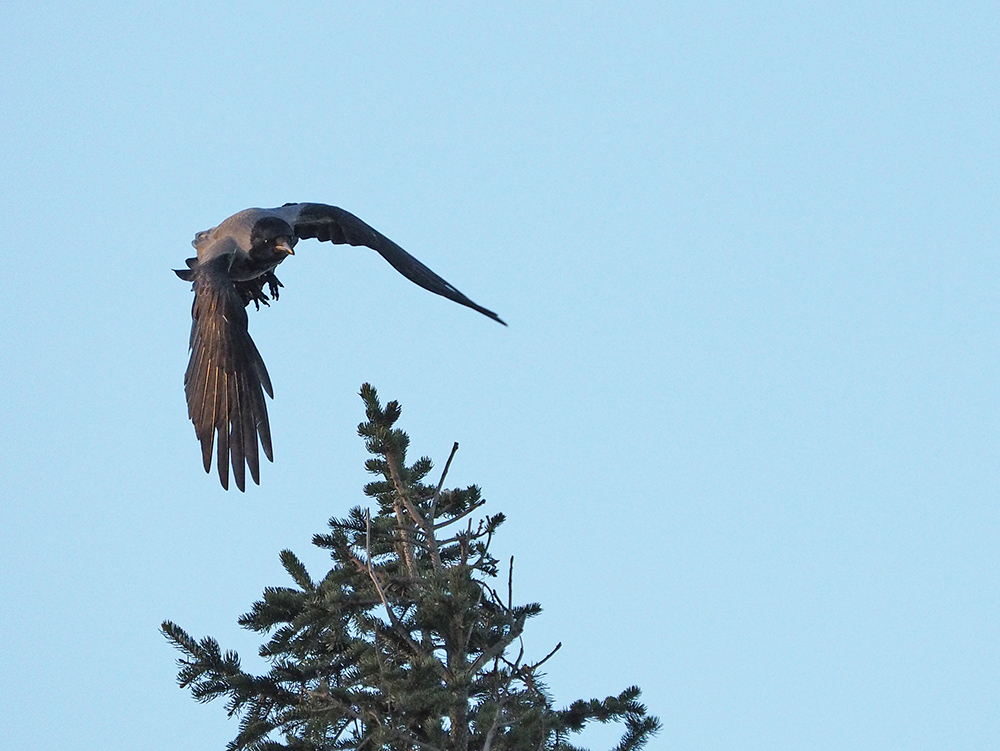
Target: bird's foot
[
  {"x": 252, "y": 291},
  {"x": 272, "y": 284}
]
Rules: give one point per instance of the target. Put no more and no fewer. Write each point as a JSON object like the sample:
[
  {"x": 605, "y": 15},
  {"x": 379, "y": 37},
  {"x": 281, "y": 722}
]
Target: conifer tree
[{"x": 406, "y": 644}]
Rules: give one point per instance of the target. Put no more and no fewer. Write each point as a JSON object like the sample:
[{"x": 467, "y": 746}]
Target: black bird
[{"x": 226, "y": 378}]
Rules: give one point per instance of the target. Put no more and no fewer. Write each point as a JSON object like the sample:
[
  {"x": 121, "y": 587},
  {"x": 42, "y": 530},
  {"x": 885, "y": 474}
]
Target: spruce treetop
[{"x": 406, "y": 643}]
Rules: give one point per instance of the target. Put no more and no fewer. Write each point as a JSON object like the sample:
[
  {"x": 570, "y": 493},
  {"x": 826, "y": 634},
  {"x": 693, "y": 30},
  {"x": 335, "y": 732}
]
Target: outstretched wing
[
  {"x": 332, "y": 224},
  {"x": 226, "y": 378}
]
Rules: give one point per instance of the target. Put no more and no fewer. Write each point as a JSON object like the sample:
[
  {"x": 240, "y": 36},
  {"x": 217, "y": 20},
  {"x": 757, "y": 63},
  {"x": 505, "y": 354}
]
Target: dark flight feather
[
  {"x": 226, "y": 377},
  {"x": 332, "y": 224}
]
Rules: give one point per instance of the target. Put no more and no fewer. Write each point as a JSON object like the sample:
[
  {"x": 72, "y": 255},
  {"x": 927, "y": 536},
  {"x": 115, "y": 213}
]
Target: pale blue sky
[{"x": 744, "y": 420}]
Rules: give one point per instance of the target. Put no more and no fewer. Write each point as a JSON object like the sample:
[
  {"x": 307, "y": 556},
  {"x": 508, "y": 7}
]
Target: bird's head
[{"x": 274, "y": 236}]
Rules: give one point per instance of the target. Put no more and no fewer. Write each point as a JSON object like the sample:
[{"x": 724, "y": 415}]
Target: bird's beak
[{"x": 283, "y": 246}]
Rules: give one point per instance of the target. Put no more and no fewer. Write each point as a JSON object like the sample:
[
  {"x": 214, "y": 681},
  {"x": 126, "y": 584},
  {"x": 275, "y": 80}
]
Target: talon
[
  {"x": 252, "y": 291},
  {"x": 273, "y": 284}
]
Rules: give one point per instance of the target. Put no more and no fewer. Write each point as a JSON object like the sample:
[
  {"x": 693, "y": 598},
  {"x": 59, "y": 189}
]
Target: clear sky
[{"x": 744, "y": 422}]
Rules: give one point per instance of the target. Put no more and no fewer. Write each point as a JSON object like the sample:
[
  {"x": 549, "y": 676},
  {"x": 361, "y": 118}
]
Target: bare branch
[
  {"x": 468, "y": 511},
  {"x": 467, "y": 535},
  {"x": 444, "y": 474},
  {"x": 510, "y": 585},
  {"x": 544, "y": 659}
]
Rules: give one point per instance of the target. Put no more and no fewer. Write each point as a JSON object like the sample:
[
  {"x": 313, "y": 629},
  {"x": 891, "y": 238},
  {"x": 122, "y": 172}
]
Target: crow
[{"x": 226, "y": 379}]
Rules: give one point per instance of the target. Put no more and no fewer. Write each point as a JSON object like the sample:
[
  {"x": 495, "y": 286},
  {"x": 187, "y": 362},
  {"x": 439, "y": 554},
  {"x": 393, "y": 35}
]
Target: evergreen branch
[
  {"x": 499, "y": 647},
  {"x": 297, "y": 570},
  {"x": 638, "y": 733},
  {"x": 483, "y": 554},
  {"x": 354, "y": 714},
  {"x": 404, "y": 526},
  {"x": 401, "y": 630},
  {"x": 407, "y": 738},
  {"x": 496, "y": 724},
  {"x": 463, "y": 543},
  {"x": 412, "y": 510},
  {"x": 401, "y": 487}
]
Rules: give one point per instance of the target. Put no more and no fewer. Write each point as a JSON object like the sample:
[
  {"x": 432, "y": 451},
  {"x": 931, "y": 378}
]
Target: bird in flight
[{"x": 226, "y": 378}]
